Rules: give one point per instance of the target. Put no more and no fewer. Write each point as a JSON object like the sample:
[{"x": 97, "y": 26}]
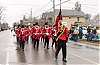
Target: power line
[
  {"x": 43, "y": 7},
  {"x": 62, "y": 2},
  {"x": 90, "y": 7},
  {"x": 90, "y": 4},
  {"x": 55, "y": 5},
  {"x": 31, "y": 5},
  {"x": 23, "y": 4},
  {"x": 84, "y": 6}
]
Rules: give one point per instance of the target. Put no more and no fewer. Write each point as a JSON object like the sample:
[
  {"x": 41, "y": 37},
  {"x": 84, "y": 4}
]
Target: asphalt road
[{"x": 77, "y": 53}]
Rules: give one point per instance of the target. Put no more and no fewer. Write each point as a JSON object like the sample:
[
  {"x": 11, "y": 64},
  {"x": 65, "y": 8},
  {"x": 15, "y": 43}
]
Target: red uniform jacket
[
  {"x": 33, "y": 32},
  {"x": 17, "y": 31},
  {"x": 22, "y": 35},
  {"x": 42, "y": 32},
  {"x": 64, "y": 34},
  {"x": 27, "y": 31},
  {"x": 37, "y": 32},
  {"x": 47, "y": 32},
  {"x": 53, "y": 33}
]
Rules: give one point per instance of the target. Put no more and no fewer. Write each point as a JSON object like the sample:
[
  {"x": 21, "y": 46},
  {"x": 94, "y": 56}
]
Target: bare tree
[
  {"x": 77, "y": 6},
  {"x": 97, "y": 17},
  {"x": 87, "y": 16}
]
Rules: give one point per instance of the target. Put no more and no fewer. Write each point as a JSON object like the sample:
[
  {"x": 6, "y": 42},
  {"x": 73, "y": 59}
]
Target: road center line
[
  {"x": 83, "y": 58},
  {"x": 3, "y": 34},
  {"x": 7, "y": 58}
]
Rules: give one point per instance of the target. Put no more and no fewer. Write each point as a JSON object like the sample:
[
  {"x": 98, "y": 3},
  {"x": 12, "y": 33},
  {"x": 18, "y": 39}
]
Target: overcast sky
[{"x": 15, "y": 9}]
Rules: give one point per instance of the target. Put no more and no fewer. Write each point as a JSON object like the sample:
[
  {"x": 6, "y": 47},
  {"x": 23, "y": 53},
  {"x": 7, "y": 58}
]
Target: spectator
[
  {"x": 80, "y": 32},
  {"x": 94, "y": 31},
  {"x": 75, "y": 35},
  {"x": 88, "y": 33}
]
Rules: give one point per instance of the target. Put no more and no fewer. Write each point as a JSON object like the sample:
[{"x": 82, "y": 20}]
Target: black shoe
[
  {"x": 56, "y": 56},
  {"x": 34, "y": 47},
  {"x": 47, "y": 48},
  {"x": 64, "y": 60},
  {"x": 23, "y": 49}
]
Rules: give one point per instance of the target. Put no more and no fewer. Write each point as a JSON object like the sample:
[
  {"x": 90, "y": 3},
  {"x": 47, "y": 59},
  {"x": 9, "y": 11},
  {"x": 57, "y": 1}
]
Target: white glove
[
  {"x": 55, "y": 35},
  {"x": 47, "y": 33},
  {"x": 35, "y": 33}
]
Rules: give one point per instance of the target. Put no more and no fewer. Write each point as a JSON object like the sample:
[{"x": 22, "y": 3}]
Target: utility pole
[
  {"x": 60, "y": 4},
  {"x": 54, "y": 10},
  {"x": 31, "y": 14}
]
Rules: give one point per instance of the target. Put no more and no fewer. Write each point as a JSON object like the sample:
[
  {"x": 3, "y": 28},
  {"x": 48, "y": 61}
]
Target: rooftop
[{"x": 92, "y": 22}]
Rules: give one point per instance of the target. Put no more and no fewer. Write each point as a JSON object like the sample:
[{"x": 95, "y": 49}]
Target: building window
[
  {"x": 69, "y": 17},
  {"x": 78, "y": 19}
]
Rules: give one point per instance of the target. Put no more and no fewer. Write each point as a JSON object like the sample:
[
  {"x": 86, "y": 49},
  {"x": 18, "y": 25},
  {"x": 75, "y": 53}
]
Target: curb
[{"x": 86, "y": 45}]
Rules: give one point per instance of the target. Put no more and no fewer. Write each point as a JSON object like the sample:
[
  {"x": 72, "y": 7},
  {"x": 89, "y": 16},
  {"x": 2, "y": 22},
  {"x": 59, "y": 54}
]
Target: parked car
[{"x": 5, "y": 28}]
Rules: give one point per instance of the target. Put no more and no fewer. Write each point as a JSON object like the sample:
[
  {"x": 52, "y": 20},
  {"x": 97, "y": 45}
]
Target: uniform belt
[{"x": 21, "y": 35}]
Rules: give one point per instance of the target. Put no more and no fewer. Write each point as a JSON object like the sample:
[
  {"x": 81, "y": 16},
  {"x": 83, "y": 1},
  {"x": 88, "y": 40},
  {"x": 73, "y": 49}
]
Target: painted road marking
[
  {"x": 84, "y": 58},
  {"x": 7, "y": 58},
  {"x": 3, "y": 34}
]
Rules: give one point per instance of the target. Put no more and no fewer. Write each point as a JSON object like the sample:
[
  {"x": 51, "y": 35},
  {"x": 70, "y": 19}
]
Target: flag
[{"x": 58, "y": 20}]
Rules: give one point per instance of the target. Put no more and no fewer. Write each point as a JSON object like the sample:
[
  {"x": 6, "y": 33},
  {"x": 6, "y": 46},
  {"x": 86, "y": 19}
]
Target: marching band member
[
  {"x": 61, "y": 38},
  {"x": 32, "y": 33},
  {"x": 22, "y": 38},
  {"x": 37, "y": 32},
  {"x": 42, "y": 34},
  {"x": 47, "y": 35},
  {"x": 53, "y": 33},
  {"x": 17, "y": 32},
  {"x": 27, "y": 33}
]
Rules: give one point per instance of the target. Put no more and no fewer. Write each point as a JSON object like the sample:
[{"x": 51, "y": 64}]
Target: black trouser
[
  {"x": 27, "y": 38},
  {"x": 61, "y": 44},
  {"x": 17, "y": 40},
  {"x": 54, "y": 41},
  {"x": 46, "y": 42},
  {"x": 11, "y": 30},
  {"x": 22, "y": 44},
  {"x": 80, "y": 35},
  {"x": 33, "y": 39},
  {"x": 42, "y": 38},
  {"x": 36, "y": 41}
]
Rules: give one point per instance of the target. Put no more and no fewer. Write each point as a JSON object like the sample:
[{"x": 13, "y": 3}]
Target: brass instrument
[{"x": 61, "y": 30}]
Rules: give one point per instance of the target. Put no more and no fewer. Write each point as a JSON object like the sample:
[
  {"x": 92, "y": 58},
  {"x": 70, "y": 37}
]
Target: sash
[{"x": 59, "y": 33}]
